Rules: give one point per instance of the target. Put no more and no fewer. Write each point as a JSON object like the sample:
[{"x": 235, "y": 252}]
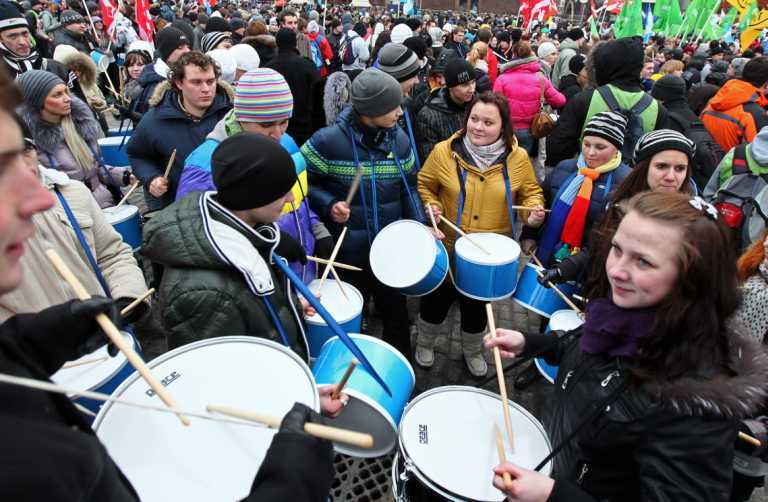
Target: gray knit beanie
[
  {"x": 35, "y": 86},
  {"x": 374, "y": 93},
  {"x": 399, "y": 61}
]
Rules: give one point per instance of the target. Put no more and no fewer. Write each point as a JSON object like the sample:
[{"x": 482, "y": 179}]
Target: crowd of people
[{"x": 637, "y": 171}]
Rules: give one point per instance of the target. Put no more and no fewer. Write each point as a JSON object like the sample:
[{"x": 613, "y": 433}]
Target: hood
[
  {"x": 263, "y": 39},
  {"x": 527, "y": 65},
  {"x": 569, "y": 44},
  {"x": 149, "y": 76},
  {"x": 223, "y": 89},
  {"x": 49, "y": 137},
  {"x": 83, "y": 66},
  {"x": 619, "y": 61},
  {"x": 733, "y": 93},
  {"x": 737, "y": 395},
  {"x": 336, "y": 95},
  {"x": 759, "y": 147}
]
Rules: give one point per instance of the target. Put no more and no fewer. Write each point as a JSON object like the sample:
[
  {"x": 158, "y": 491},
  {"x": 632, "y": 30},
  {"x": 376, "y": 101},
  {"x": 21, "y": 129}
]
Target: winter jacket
[
  {"x": 359, "y": 49},
  {"x": 265, "y": 46},
  {"x": 302, "y": 77},
  {"x": 54, "y": 153},
  {"x": 80, "y": 41},
  {"x": 324, "y": 50},
  {"x": 569, "y": 86},
  {"x": 202, "y": 296},
  {"x": 657, "y": 440},
  {"x": 387, "y": 190},
  {"x": 148, "y": 80},
  {"x": 459, "y": 48},
  {"x": 680, "y": 115},
  {"x": 568, "y": 49},
  {"x": 485, "y": 203},
  {"x": 735, "y": 114},
  {"x": 167, "y": 127},
  {"x": 114, "y": 258},
  {"x": 757, "y": 162},
  {"x": 437, "y": 120},
  {"x": 493, "y": 66},
  {"x": 520, "y": 82},
  {"x": 615, "y": 69},
  {"x": 301, "y": 223},
  {"x": 752, "y": 315},
  {"x": 15, "y": 69}
]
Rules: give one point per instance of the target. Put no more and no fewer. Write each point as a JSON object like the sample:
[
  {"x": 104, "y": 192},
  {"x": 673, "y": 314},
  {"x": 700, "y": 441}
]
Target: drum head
[
  {"x": 565, "y": 320},
  {"x": 341, "y": 309},
  {"x": 448, "y": 435},
  {"x": 117, "y": 214},
  {"x": 207, "y": 461},
  {"x": 93, "y": 375},
  {"x": 403, "y": 253},
  {"x": 502, "y": 249}
]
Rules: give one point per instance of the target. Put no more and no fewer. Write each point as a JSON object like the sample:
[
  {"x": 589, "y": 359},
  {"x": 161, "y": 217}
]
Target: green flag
[
  {"x": 593, "y": 28},
  {"x": 691, "y": 16},
  {"x": 726, "y": 23},
  {"x": 660, "y": 12},
  {"x": 631, "y": 17},
  {"x": 674, "y": 18},
  {"x": 744, "y": 21}
]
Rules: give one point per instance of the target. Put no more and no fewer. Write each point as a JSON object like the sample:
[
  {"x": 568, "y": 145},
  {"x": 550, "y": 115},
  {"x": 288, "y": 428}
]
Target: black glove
[
  {"x": 125, "y": 113},
  {"x": 291, "y": 249},
  {"x": 552, "y": 275},
  {"x": 84, "y": 312},
  {"x": 134, "y": 315},
  {"x": 294, "y": 420},
  {"x": 324, "y": 247}
]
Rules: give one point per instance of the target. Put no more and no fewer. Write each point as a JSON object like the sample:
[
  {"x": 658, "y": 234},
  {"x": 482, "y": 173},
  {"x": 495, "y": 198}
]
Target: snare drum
[
  {"x": 562, "y": 320},
  {"x": 97, "y": 372},
  {"x": 113, "y": 149},
  {"x": 537, "y": 298},
  {"x": 208, "y": 460},
  {"x": 126, "y": 221},
  {"x": 370, "y": 408},
  {"x": 447, "y": 446},
  {"x": 347, "y": 312},
  {"x": 483, "y": 276},
  {"x": 406, "y": 256}
]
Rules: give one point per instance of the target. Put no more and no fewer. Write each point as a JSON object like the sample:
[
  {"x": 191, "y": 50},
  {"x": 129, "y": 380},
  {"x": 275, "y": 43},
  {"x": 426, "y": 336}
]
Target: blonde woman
[{"x": 477, "y": 58}]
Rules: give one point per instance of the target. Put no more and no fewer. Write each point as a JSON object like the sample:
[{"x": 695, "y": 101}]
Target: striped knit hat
[
  {"x": 654, "y": 142},
  {"x": 610, "y": 126},
  {"x": 263, "y": 95},
  {"x": 212, "y": 39}
]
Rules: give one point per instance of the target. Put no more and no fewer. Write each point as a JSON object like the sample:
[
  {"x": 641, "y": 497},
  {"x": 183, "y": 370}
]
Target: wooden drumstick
[
  {"x": 428, "y": 209},
  {"x": 333, "y": 257},
  {"x": 338, "y": 281},
  {"x": 354, "y": 186},
  {"x": 83, "y": 363},
  {"x": 526, "y": 208},
  {"x": 502, "y": 456},
  {"x": 749, "y": 439},
  {"x": 463, "y": 234},
  {"x": 340, "y": 386},
  {"x": 125, "y": 197},
  {"x": 112, "y": 332},
  {"x": 136, "y": 302},
  {"x": 335, "y": 264},
  {"x": 555, "y": 288},
  {"x": 170, "y": 164},
  {"x": 335, "y": 434},
  {"x": 500, "y": 375}
]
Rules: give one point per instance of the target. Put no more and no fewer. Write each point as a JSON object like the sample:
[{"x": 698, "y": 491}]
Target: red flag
[
  {"x": 592, "y": 9},
  {"x": 108, "y": 12},
  {"x": 144, "y": 20},
  {"x": 614, "y": 6},
  {"x": 539, "y": 9}
]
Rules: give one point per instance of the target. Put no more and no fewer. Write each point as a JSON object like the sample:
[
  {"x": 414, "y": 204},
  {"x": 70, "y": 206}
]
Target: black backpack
[
  {"x": 346, "y": 53},
  {"x": 634, "y": 121},
  {"x": 708, "y": 152}
]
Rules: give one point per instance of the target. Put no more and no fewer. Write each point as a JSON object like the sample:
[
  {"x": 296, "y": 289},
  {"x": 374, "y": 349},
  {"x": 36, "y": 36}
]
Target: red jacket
[
  {"x": 493, "y": 66},
  {"x": 325, "y": 51}
]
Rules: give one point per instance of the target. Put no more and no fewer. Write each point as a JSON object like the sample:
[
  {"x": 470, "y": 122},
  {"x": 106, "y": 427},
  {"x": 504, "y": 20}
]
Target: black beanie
[
  {"x": 217, "y": 23},
  {"x": 168, "y": 40},
  {"x": 577, "y": 63},
  {"x": 11, "y": 16},
  {"x": 669, "y": 88},
  {"x": 285, "y": 39},
  {"x": 251, "y": 170},
  {"x": 575, "y": 34},
  {"x": 458, "y": 71}
]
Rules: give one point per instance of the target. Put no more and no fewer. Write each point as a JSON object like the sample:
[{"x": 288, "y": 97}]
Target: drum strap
[
  {"x": 409, "y": 129},
  {"x": 83, "y": 242},
  {"x": 356, "y": 158},
  {"x": 507, "y": 194},
  {"x": 276, "y": 320}
]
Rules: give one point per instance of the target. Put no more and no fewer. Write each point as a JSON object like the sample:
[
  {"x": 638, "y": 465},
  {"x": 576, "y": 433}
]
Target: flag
[
  {"x": 648, "y": 28},
  {"x": 674, "y": 18},
  {"x": 537, "y": 11},
  {"x": 144, "y": 20},
  {"x": 746, "y": 16},
  {"x": 614, "y": 6},
  {"x": 754, "y": 28},
  {"x": 108, "y": 11},
  {"x": 592, "y": 10},
  {"x": 661, "y": 11},
  {"x": 726, "y": 23},
  {"x": 741, "y": 6},
  {"x": 630, "y": 20},
  {"x": 593, "y": 33}
]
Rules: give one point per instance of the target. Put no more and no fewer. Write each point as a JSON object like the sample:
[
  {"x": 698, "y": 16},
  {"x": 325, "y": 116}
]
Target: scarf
[
  {"x": 569, "y": 211},
  {"x": 615, "y": 331},
  {"x": 484, "y": 156},
  {"x": 19, "y": 64}
]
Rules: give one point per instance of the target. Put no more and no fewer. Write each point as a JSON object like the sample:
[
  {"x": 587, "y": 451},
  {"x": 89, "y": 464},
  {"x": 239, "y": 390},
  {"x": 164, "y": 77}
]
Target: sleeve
[
  {"x": 428, "y": 181},
  {"x": 325, "y": 50},
  {"x": 363, "y": 54},
  {"x": 563, "y": 142},
  {"x": 529, "y": 193},
  {"x": 320, "y": 199},
  {"x": 194, "y": 180},
  {"x": 565, "y": 491},
  {"x": 543, "y": 345},
  {"x": 572, "y": 267},
  {"x": 554, "y": 98},
  {"x": 199, "y": 314},
  {"x": 427, "y": 136},
  {"x": 142, "y": 155}
]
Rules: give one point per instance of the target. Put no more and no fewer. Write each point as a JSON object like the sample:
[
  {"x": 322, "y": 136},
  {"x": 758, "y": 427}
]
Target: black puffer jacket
[
  {"x": 662, "y": 441},
  {"x": 437, "y": 120}
]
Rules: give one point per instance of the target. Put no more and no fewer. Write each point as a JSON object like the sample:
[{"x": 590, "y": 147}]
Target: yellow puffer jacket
[{"x": 485, "y": 206}]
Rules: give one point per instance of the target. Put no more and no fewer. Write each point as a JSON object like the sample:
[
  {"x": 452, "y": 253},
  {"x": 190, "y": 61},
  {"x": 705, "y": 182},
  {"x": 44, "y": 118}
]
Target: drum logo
[
  {"x": 175, "y": 375},
  {"x": 423, "y": 434}
]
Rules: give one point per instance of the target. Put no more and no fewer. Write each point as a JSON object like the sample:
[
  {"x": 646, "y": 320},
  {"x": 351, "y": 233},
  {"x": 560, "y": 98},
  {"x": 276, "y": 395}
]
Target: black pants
[
  {"x": 435, "y": 306},
  {"x": 390, "y": 304}
]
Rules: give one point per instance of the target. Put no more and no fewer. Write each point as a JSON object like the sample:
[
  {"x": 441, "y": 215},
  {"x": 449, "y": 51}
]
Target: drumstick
[
  {"x": 749, "y": 439},
  {"x": 463, "y": 234},
  {"x": 113, "y": 334},
  {"x": 170, "y": 164},
  {"x": 502, "y": 456},
  {"x": 555, "y": 288},
  {"x": 335, "y": 264},
  {"x": 336, "y": 434},
  {"x": 343, "y": 381},
  {"x": 338, "y": 281},
  {"x": 125, "y": 197},
  {"x": 502, "y": 383},
  {"x": 136, "y": 302},
  {"x": 428, "y": 209},
  {"x": 526, "y": 208},
  {"x": 83, "y": 363},
  {"x": 333, "y": 257},
  {"x": 354, "y": 186}
]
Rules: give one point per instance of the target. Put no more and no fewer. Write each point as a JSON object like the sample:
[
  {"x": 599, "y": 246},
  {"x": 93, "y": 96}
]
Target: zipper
[
  {"x": 565, "y": 380},
  {"x": 584, "y": 471},
  {"x": 608, "y": 379}
]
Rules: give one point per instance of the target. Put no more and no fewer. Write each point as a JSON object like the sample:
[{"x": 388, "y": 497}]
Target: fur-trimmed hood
[
  {"x": 49, "y": 137},
  {"x": 159, "y": 93},
  {"x": 337, "y": 94},
  {"x": 82, "y": 65},
  {"x": 263, "y": 39}
]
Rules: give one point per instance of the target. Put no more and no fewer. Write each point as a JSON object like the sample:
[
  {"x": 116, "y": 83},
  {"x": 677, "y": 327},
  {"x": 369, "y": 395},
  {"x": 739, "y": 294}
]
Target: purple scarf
[{"x": 615, "y": 331}]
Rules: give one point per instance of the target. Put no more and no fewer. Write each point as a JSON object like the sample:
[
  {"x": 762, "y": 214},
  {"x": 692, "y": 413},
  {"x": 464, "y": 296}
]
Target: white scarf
[{"x": 485, "y": 156}]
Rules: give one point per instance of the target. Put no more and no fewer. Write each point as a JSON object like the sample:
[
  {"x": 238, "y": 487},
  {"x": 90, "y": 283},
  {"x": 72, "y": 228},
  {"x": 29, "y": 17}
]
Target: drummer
[
  {"x": 647, "y": 401},
  {"x": 473, "y": 177}
]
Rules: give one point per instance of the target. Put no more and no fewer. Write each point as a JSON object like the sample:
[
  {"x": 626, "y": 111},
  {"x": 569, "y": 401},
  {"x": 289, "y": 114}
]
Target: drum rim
[
  {"x": 485, "y": 298},
  {"x": 569, "y": 311},
  {"x": 379, "y": 342},
  {"x": 420, "y": 279},
  {"x": 133, "y": 377},
  {"x": 474, "y": 262},
  {"x": 449, "y": 388},
  {"x": 444, "y": 274},
  {"x": 134, "y": 213},
  {"x": 542, "y": 371},
  {"x": 321, "y": 321},
  {"x": 112, "y": 375},
  {"x": 531, "y": 308}
]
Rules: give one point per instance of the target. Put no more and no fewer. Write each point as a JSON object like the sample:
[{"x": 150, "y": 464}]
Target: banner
[
  {"x": 144, "y": 20},
  {"x": 754, "y": 28}
]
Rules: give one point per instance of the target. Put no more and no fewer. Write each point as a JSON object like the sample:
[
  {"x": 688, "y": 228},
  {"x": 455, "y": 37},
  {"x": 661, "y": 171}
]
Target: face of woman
[
  {"x": 597, "y": 151},
  {"x": 642, "y": 266},
  {"x": 484, "y": 125},
  {"x": 58, "y": 101},
  {"x": 134, "y": 71},
  {"x": 667, "y": 171}
]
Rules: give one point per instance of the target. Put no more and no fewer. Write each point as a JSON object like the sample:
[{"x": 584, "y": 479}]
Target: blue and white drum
[
  {"x": 347, "y": 311},
  {"x": 97, "y": 372},
  {"x": 114, "y": 151},
  {"x": 487, "y": 276},
  {"x": 537, "y": 298},
  {"x": 126, "y": 222},
  {"x": 370, "y": 408},
  {"x": 562, "y": 320},
  {"x": 209, "y": 460},
  {"x": 447, "y": 446},
  {"x": 406, "y": 256}
]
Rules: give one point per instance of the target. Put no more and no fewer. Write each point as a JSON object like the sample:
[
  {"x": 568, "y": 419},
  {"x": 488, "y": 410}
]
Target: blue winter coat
[{"x": 388, "y": 188}]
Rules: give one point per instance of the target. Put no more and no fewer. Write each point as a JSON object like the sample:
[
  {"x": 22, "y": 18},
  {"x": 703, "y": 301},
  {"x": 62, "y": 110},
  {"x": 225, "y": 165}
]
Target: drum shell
[
  {"x": 537, "y": 298},
  {"x": 565, "y": 320},
  {"x": 486, "y": 281},
  {"x": 114, "y": 150},
  {"x": 435, "y": 277},
  {"x": 126, "y": 222},
  {"x": 318, "y": 331}
]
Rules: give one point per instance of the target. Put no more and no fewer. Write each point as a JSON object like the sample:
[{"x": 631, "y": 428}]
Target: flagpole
[{"x": 93, "y": 27}]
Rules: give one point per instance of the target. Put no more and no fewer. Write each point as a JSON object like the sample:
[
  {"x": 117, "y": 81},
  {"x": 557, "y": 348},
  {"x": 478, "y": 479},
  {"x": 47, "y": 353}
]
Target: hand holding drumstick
[{"x": 159, "y": 185}]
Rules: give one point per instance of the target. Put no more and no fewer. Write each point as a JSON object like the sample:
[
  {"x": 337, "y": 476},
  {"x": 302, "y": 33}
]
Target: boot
[
  {"x": 425, "y": 342},
  {"x": 472, "y": 345}
]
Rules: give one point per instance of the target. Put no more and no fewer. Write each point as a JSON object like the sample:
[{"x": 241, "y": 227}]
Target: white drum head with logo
[{"x": 403, "y": 253}]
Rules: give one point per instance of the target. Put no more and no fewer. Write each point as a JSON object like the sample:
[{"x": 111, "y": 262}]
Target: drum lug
[{"x": 407, "y": 469}]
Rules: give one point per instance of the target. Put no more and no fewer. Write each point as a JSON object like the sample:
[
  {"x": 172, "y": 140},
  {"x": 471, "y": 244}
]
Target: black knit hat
[
  {"x": 458, "y": 71},
  {"x": 575, "y": 34},
  {"x": 669, "y": 88},
  {"x": 660, "y": 140},
  {"x": 577, "y": 63},
  {"x": 11, "y": 17},
  {"x": 285, "y": 38},
  {"x": 251, "y": 170},
  {"x": 70, "y": 17},
  {"x": 217, "y": 23},
  {"x": 610, "y": 126},
  {"x": 168, "y": 40}
]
